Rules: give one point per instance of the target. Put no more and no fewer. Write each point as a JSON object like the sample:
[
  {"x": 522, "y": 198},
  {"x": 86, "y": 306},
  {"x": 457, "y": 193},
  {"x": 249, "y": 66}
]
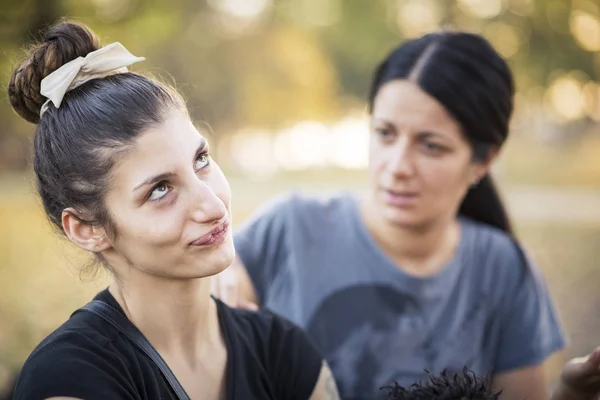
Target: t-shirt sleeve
[
  {"x": 530, "y": 330},
  {"x": 294, "y": 361},
  {"x": 74, "y": 367},
  {"x": 261, "y": 243}
]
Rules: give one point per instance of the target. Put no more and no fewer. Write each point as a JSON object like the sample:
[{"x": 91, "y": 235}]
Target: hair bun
[{"x": 60, "y": 44}]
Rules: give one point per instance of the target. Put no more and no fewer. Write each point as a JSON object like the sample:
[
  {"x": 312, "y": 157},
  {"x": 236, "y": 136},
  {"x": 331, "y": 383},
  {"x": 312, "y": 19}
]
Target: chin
[
  {"x": 212, "y": 261},
  {"x": 219, "y": 259},
  {"x": 401, "y": 218}
]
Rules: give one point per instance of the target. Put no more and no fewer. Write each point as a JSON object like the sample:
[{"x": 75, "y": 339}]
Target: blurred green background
[{"x": 279, "y": 86}]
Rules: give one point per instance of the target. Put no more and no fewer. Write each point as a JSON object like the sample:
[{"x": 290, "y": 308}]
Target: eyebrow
[
  {"x": 425, "y": 134},
  {"x": 154, "y": 179},
  {"x": 381, "y": 121},
  {"x": 429, "y": 134},
  {"x": 167, "y": 175}
]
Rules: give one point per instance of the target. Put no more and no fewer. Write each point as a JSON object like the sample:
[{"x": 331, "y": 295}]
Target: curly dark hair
[{"x": 446, "y": 386}]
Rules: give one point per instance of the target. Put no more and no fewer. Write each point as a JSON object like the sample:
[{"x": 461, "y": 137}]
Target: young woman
[
  {"x": 424, "y": 272},
  {"x": 122, "y": 171}
]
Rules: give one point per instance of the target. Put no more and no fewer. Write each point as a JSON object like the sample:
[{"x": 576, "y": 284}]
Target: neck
[
  {"x": 176, "y": 316},
  {"x": 420, "y": 250}
]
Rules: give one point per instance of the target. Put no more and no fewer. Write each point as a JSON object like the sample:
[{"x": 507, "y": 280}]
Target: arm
[
  {"x": 580, "y": 379},
  {"x": 566, "y": 393},
  {"x": 326, "y": 388},
  {"x": 523, "y": 383},
  {"x": 529, "y": 331}
]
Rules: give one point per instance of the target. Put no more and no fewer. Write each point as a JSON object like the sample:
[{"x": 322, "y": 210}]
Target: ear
[
  {"x": 88, "y": 236},
  {"x": 482, "y": 167}
]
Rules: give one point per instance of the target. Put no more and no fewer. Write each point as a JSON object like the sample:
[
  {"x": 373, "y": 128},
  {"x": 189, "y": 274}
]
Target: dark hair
[
  {"x": 76, "y": 145},
  {"x": 456, "y": 386},
  {"x": 471, "y": 80}
]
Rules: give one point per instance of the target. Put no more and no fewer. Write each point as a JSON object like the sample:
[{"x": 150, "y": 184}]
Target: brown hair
[{"x": 76, "y": 145}]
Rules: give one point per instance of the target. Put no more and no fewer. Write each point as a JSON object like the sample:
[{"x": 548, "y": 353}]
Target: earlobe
[
  {"x": 491, "y": 157},
  {"x": 84, "y": 234},
  {"x": 483, "y": 167}
]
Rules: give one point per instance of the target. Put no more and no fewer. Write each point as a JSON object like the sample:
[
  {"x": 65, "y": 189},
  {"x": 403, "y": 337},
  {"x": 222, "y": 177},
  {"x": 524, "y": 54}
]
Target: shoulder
[
  {"x": 68, "y": 360},
  {"x": 261, "y": 327},
  {"x": 300, "y": 204},
  {"x": 294, "y": 212},
  {"x": 265, "y": 331},
  {"x": 501, "y": 268},
  {"x": 496, "y": 255},
  {"x": 305, "y": 212},
  {"x": 492, "y": 243},
  {"x": 264, "y": 341},
  {"x": 325, "y": 204},
  {"x": 80, "y": 331}
]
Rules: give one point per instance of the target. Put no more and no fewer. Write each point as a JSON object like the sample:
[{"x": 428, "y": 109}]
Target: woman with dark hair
[
  {"x": 424, "y": 272},
  {"x": 123, "y": 173}
]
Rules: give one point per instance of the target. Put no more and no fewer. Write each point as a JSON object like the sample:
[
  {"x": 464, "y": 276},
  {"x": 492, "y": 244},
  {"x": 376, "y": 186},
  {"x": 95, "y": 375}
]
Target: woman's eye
[
  {"x": 159, "y": 191},
  {"x": 384, "y": 134},
  {"x": 433, "y": 147},
  {"x": 202, "y": 161}
]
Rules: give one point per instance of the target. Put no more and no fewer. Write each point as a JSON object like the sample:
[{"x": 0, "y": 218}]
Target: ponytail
[{"x": 483, "y": 204}]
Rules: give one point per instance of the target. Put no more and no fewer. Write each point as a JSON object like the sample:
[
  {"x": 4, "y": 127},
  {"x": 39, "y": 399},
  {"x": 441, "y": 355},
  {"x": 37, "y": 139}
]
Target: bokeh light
[
  {"x": 243, "y": 9},
  {"x": 592, "y": 100},
  {"x": 417, "y": 17},
  {"x": 316, "y": 13},
  {"x": 237, "y": 17},
  {"x": 252, "y": 150},
  {"x": 482, "y": 8},
  {"x": 565, "y": 98},
  {"x": 522, "y": 8},
  {"x": 302, "y": 146},
  {"x": 586, "y": 30},
  {"x": 505, "y": 38},
  {"x": 350, "y": 143},
  {"x": 113, "y": 10}
]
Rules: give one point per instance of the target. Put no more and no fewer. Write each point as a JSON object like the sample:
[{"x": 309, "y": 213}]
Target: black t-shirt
[{"x": 267, "y": 358}]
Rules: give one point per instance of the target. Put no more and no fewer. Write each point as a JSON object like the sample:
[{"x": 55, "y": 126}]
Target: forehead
[
  {"x": 403, "y": 103},
  {"x": 165, "y": 147}
]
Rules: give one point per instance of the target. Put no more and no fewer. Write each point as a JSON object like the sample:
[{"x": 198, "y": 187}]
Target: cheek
[
  {"x": 151, "y": 227},
  {"x": 448, "y": 177},
  {"x": 147, "y": 225},
  {"x": 377, "y": 158}
]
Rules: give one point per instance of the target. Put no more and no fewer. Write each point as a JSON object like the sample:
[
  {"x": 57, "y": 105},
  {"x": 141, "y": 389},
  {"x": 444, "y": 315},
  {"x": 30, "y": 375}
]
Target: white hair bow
[{"x": 109, "y": 60}]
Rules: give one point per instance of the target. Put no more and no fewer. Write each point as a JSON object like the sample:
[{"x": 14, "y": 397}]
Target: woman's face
[
  {"x": 170, "y": 204},
  {"x": 420, "y": 163}
]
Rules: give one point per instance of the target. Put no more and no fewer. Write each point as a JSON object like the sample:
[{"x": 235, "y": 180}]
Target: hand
[
  {"x": 228, "y": 287},
  {"x": 580, "y": 377}
]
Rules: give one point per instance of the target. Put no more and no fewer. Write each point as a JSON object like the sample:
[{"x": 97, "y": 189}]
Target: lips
[
  {"x": 399, "y": 198},
  {"x": 213, "y": 237}
]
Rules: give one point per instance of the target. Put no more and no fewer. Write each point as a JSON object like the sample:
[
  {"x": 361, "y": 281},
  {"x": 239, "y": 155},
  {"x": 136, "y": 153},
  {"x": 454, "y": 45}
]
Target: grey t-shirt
[{"x": 313, "y": 261}]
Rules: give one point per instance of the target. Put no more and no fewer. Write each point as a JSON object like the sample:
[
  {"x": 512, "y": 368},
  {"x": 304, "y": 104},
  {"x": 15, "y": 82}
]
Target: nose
[
  {"x": 400, "y": 160},
  {"x": 205, "y": 205}
]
